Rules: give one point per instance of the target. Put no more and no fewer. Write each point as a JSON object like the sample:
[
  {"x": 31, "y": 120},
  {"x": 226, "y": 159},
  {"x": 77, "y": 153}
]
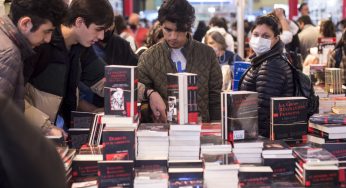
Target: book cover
[
  {"x": 336, "y": 149},
  {"x": 239, "y": 115},
  {"x": 288, "y": 117},
  {"x": 121, "y": 90},
  {"x": 78, "y": 136},
  {"x": 186, "y": 183},
  {"x": 317, "y": 74},
  {"x": 321, "y": 177},
  {"x": 240, "y": 68},
  {"x": 116, "y": 173},
  {"x": 118, "y": 144},
  {"x": 255, "y": 175},
  {"x": 84, "y": 168},
  {"x": 182, "y": 98},
  {"x": 282, "y": 168},
  {"x": 314, "y": 156},
  {"x": 328, "y": 119},
  {"x": 82, "y": 119},
  {"x": 153, "y": 129},
  {"x": 328, "y": 128},
  {"x": 276, "y": 147}
]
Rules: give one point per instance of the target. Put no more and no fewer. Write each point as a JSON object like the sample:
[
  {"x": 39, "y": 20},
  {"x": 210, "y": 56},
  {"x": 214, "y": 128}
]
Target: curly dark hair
[
  {"x": 270, "y": 21},
  {"x": 327, "y": 28},
  {"x": 179, "y": 12},
  {"x": 40, "y": 11}
]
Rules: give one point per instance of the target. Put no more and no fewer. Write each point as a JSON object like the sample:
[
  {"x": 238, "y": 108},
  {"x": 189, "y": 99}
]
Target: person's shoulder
[
  {"x": 152, "y": 52},
  {"x": 201, "y": 47}
]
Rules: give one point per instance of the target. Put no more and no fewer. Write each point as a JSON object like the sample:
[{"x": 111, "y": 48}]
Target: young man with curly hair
[{"x": 178, "y": 52}]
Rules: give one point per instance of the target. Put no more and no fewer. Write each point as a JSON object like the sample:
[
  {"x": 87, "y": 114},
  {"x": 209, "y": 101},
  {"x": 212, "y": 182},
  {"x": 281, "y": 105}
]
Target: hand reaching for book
[{"x": 158, "y": 108}]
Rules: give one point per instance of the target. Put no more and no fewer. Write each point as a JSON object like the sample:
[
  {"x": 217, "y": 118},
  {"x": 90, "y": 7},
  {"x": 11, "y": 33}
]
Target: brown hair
[{"x": 218, "y": 38}]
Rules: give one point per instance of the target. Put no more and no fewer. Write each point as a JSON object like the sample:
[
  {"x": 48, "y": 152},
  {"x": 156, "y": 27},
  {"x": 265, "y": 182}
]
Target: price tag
[{"x": 239, "y": 135}]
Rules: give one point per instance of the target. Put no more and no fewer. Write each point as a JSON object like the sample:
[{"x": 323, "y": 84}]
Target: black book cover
[
  {"x": 337, "y": 149},
  {"x": 287, "y": 110},
  {"x": 275, "y": 145},
  {"x": 242, "y": 105},
  {"x": 116, "y": 174},
  {"x": 254, "y": 178},
  {"x": 248, "y": 128},
  {"x": 78, "y": 137},
  {"x": 317, "y": 177},
  {"x": 82, "y": 119},
  {"x": 328, "y": 119},
  {"x": 120, "y": 76},
  {"x": 119, "y": 145},
  {"x": 86, "y": 168},
  {"x": 140, "y": 163},
  {"x": 282, "y": 168},
  {"x": 294, "y": 131},
  {"x": 186, "y": 164}
]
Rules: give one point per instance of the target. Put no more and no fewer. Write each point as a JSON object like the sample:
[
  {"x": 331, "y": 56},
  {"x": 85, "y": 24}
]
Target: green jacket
[{"x": 156, "y": 62}]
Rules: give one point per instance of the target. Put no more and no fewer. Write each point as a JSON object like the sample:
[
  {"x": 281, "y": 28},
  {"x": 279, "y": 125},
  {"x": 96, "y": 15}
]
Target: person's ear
[
  {"x": 79, "y": 21},
  {"x": 25, "y": 24}
]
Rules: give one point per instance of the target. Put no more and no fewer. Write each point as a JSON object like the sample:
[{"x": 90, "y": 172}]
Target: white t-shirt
[{"x": 179, "y": 60}]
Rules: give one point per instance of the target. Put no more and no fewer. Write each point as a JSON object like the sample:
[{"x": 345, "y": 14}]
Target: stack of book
[
  {"x": 116, "y": 173},
  {"x": 248, "y": 151},
  {"x": 239, "y": 115},
  {"x": 278, "y": 156},
  {"x": 214, "y": 145},
  {"x": 152, "y": 141},
  {"x": 218, "y": 167},
  {"x": 151, "y": 177},
  {"x": 182, "y": 98},
  {"x": 185, "y": 173},
  {"x": 67, "y": 156},
  {"x": 316, "y": 167},
  {"x": 184, "y": 142},
  {"x": 288, "y": 119},
  {"x": 255, "y": 176},
  {"x": 327, "y": 133},
  {"x": 120, "y": 93},
  {"x": 333, "y": 80},
  {"x": 84, "y": 164}
]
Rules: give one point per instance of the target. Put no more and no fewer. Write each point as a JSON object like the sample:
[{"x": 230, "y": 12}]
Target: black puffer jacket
[{"x": 270, "y": 76}]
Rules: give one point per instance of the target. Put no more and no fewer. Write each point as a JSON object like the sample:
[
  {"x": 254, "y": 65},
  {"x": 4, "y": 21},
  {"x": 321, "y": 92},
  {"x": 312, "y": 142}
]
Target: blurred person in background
[
  {"x": 225, "y": 57},
  {"x": 155, "y": 35},
  {"x": 340, "y": 28},
  {"x": 269, "y": 74},
  {"x": 327, "y": 29},
  {"x": 124, "y": 32},
  {"x": 219, "y": 24},
  {"x": 304, "y": 9},
  {"x": 140, "y": 33},
  {"x": 308, "y": 37},
  {"x": 337, "y": 58},
  {"x": 2, "y": 8},
  {"x": 200, "y": 31}
]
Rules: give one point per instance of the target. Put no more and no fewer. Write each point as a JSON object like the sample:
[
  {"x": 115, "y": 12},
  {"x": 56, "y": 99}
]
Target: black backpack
[
  {"x": 303, "y": 87},
  {"x": 338, "y": 57}
]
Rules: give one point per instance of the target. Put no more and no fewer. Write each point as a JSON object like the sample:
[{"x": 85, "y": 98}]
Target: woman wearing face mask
[
  {"x": 269, "y": 74},
  {"x": 226, "y": 58}
]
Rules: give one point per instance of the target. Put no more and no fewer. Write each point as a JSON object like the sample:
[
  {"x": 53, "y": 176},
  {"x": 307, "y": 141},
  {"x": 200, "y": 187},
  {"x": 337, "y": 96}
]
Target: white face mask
[{"x": 260, "y": 45}]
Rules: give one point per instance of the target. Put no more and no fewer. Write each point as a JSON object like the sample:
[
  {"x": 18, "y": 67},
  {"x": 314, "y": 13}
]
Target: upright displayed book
[
  {"x": 82, "y": 119},
  {"x": 240, "y": 68},
  {"x": 239, "y": 115},
  {"x": 288, "y": 117},
  {"x": 84, "y": 164},
  {"x": 317, "y": 74},
  {"x": 120, "y": 91},
  {"x": 119, "y": 144},
  {"x": 182, "y": 98},
  {"x": 333, "y": 81}
]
